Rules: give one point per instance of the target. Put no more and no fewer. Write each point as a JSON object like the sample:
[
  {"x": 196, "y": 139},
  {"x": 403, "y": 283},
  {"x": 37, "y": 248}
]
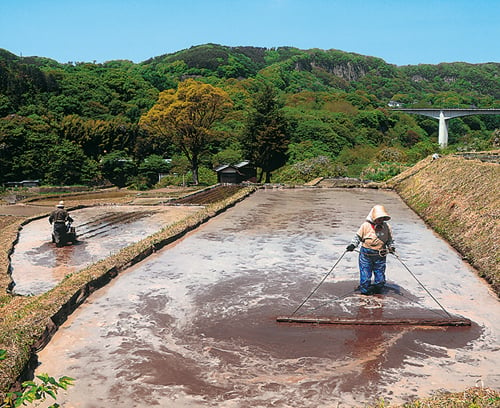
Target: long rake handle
[
  {"x": 421, "y": 284},
  {"x": 319, "y": 284}
]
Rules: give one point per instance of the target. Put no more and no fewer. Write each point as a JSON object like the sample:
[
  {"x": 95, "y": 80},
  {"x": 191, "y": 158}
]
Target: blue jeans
[{"x": 370, "y": 262}]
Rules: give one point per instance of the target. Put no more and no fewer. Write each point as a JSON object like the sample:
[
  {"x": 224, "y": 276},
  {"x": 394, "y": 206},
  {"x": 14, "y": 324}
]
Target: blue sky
[{"x": 401, "y": 32}]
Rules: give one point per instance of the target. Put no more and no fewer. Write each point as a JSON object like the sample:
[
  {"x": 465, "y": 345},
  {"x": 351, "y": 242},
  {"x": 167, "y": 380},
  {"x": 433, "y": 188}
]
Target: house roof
[
  {"x": 242, "y": 164},
  {"x": 233, "y": 166},
  {"x": 224, "y": 166}
]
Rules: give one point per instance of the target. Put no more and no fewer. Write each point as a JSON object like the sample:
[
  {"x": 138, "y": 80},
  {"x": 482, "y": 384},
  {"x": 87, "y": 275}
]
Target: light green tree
[{"x": 187, "y": 117}]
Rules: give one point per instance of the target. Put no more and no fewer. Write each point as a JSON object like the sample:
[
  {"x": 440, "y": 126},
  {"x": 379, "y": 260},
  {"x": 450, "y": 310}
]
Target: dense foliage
[{"x": 59, "y": 122}]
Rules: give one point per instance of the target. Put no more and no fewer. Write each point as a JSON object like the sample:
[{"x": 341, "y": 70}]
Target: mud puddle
[
  {"x": 37, "y": 265},
  {"x": 195, "y": 324}
]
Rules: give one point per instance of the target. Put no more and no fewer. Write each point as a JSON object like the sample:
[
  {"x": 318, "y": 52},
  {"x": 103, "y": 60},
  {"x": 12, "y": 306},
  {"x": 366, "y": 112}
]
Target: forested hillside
[{"x": 83, "y": 123}]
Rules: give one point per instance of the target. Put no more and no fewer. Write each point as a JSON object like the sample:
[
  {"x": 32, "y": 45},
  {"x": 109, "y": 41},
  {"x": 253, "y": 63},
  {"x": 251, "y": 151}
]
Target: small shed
[{"x": 237, "y": 173}]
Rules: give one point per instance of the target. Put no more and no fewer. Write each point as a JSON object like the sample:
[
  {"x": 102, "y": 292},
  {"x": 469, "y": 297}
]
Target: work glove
[{"x": 350, "y": 247}]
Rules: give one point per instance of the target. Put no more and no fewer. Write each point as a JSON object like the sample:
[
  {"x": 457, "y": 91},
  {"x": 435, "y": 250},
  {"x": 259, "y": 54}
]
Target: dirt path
[{"x": 194, "y": 325}]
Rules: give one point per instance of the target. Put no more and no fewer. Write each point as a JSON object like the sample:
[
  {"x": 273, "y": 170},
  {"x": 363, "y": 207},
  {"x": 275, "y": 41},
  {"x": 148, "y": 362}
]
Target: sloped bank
[
  {"x": 28, "y": 323},
  {"x": 460, "y": 200}
]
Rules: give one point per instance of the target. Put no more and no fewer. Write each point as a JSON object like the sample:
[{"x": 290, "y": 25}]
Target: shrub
[
  {"x": 307, "y": 149},
  {"x": 356, "y": 158},
  {"x": 421, "y": 150},
  {"x": 307, "y": 170},
  {"x": 207, "y": 176},
  {"x": 391, "y": 154},
  {"x": 382, "y": 171}
]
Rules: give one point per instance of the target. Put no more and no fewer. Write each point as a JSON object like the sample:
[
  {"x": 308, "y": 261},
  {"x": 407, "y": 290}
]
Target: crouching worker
[
  {"x": 375, "y": 236},
  {"x": 58, "y": 218}
]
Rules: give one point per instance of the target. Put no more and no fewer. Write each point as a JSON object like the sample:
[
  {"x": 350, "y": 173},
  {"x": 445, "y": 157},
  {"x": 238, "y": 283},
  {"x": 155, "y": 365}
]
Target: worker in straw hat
[
  {"x": 375, "y": 236},
  {"x": 58, "y": 218}
]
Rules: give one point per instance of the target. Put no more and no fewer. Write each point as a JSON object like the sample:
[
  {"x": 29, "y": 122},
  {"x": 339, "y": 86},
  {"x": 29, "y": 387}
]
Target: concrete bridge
[{"x": 444, "y": 114}]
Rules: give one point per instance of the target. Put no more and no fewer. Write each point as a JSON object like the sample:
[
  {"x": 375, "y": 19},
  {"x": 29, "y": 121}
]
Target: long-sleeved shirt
[
  {"x": 59, "y": 215},
  {"x": 374, "y": 236}
]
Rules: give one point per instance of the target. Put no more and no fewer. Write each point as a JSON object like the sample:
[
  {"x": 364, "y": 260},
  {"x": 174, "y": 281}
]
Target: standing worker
[
  {"x": 59, "y": 217},
  {"x": 375, "y": 236}
]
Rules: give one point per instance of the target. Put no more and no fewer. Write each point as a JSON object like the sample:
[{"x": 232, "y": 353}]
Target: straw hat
[
  {"x": 60, "y": 205},
  {"x": 379, "y": 211}
]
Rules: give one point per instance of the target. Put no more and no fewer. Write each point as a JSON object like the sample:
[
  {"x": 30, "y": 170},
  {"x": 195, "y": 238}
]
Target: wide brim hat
[
  {"x": 60, "y": 204},
  {"x": 379, "y": 211}
]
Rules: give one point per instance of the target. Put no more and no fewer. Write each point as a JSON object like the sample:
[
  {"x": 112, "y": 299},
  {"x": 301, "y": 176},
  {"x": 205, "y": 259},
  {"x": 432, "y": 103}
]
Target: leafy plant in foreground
[{"x": 48, "y": 386}]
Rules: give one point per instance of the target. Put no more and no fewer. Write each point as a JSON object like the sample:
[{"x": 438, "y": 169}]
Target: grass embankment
[
  {"x": 460, "y": 200},
  {"x": 27, "y": 323}
]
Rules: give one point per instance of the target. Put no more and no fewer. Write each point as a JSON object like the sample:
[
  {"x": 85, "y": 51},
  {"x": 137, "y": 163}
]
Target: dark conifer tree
[{"x": 266, "y": 137}]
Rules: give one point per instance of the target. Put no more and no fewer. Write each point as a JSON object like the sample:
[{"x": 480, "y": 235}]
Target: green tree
[
  {"x": 24, "y": 147},
  {"x": 118, "y": 168},
  {"x": 66, "y": 161},
  {"x": 266, "y": 137},
  {"x": 188, "y": 117},
  {"x": 230, "y": 155},
  {"x": 152, "y": 166}
]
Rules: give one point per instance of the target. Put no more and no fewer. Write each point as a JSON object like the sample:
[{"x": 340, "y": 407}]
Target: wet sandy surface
[
  {"x": 195, "y": 324},
  {"x": 37, "y": 265}
]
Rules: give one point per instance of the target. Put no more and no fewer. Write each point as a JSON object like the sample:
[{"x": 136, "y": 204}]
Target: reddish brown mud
[{"x": 195, "y": 324}]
